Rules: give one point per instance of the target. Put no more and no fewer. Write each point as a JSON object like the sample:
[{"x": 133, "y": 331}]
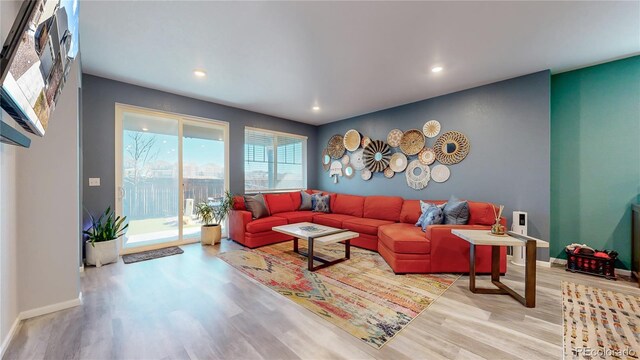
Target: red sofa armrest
[{"x": 238, "y": 220}]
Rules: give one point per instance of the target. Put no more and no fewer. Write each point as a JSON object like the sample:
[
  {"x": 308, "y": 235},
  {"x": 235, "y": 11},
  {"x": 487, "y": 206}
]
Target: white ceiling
[{"x": 350, "y": 58}]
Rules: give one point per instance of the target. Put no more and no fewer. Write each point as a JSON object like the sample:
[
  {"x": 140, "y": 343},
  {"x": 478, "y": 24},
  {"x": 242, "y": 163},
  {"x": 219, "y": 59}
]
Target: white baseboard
[
  {"x": 51, "y": 308},
  {"x": 563, "y": 262},
  {"x": 9, "y": 337},
  {"x": 540, "y": 263}
]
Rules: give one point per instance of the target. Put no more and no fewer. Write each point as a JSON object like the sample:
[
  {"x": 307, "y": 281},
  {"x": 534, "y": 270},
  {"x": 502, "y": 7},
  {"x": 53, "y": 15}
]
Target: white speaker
[{"x": 519, "y": 225}]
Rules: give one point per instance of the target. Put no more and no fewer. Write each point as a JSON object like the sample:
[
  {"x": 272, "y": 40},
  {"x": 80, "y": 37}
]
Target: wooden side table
[{"x": 484, "y": 237}]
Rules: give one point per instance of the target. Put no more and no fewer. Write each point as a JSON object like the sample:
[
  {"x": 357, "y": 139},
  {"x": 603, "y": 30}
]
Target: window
[{"x": 274, "y": 161}]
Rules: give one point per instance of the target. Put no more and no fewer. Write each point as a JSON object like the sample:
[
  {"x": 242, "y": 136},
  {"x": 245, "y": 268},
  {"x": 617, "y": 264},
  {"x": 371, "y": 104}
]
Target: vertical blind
[{"x": 273, "y": 161}]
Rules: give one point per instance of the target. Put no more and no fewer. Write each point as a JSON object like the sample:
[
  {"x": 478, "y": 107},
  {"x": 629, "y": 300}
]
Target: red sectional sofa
[{"x": 386, "y": 224}]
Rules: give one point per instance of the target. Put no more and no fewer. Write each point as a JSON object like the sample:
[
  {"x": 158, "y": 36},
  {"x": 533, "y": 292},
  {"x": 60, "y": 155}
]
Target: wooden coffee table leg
[
  {"x": 472, "y": 268},
  {"x": 530, "y": 275},
  {"x": 295, "y": 245},
  {"x": 495, "y": 263},
  {"x": 310, "y": 255},
  {"x": 347, "y": 249}
]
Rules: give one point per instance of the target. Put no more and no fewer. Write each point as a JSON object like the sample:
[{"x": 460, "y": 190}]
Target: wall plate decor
[
  {"x": 335, "y": 170},
  {"x": 431, "y": 128},
  {"x": 335, "y": 147},
  {"x": 365, "y": 174},
  {"x": 418, "y": 175},
  {"x": 357, "y": 159},
  {"x": 451, "y": 147},
  {"x": 351, "y": 140},
  {"x": 377, "y": 156},
  {"x": 398, "y": 162},
  {"x": 349, "y": 171},
  {"x": 427, "y": 156},
  {"x": 365, "y": 141},
  {"x": 412, "y": 142},
  {"x": 345, "y": 159},
  {"x": 393, "y": 139},
  {"x": 440, "y": 173},
  {"x": 388, "y": 173},
  {"x": 326, "y": 160}
]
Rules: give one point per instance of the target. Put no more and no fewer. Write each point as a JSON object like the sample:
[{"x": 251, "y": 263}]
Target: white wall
[{"x": 8, "y": 207}]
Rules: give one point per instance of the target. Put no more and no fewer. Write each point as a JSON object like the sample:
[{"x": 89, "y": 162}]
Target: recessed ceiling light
[
  {"x": 315, "y": 108},
  {"x": 436, "y": 69},
  {"x": 145, "y": 129},
  {"x": 199, "y": 73}
]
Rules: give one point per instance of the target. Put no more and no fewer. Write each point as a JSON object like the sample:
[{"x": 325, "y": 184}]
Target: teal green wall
[{"x": 595, "y": 156}]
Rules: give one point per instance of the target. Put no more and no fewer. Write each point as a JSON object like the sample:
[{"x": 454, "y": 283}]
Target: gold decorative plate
[
  {"x": 357, "y": 159},
  {"x": 352, "y": 140},
  {"x": 451, "y": 147},
  {"x": 365, "y": 141},
  {"x": 335, "y": 147},
  {"x": 418, "y": 175},
  {"x": 440, "y": 173},
  {"x": 326, "y": 160},
  {"x": 388, "y": 173},
  {"x": 345, "y": 159},
  {"x": 427, "y": 156},
  {"x": 393, "y": 139},
  {"x": 377, "y": 155},
  {"x": 431, "y": 128},
  {"x": 349, "y": 171},
  {"x": 412, "y": 142},
  {"x": 398, "y": 162},
  {"x": 365, "y": 174}
]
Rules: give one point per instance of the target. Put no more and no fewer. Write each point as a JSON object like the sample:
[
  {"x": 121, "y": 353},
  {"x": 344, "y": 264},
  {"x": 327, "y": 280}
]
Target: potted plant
[
  {"x": 101, "y": 246},
  {"x": 212, "y": 215}
]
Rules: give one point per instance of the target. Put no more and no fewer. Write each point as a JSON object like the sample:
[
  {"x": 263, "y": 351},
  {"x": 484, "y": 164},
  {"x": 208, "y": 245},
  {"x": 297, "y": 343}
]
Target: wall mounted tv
[{"x": 36, "y": 59}]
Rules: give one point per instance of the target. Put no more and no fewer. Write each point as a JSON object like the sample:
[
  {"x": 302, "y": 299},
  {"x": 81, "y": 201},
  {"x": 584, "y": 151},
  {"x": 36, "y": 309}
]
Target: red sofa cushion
[
  {"x": 297, "y": 216},
  {"x": 348, "y": 205},
  {"x": 277, "y": 203},
  {"x": 383, "y": 207},
  {"x": 265, "y": 224},
  {"x": 481, "y": 213},
  {"x": 296, "y": 198},
  {"x": 333, "y": 220},
  {"x": 404, "y": 238},
  {"x": 364, "y": 225},
  {"x": 238, "y": 203}
]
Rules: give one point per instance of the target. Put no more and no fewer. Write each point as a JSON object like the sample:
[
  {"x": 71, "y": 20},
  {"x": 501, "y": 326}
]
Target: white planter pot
[
  {"x": 210, "y": 234},
  {"x": 104, "y": 252}
]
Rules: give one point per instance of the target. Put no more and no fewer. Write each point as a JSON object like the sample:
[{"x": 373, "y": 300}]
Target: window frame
[{"x": 275, "y": 162}]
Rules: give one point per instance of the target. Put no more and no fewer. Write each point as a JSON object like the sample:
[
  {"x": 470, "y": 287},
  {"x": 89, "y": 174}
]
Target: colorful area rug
[
  {"x": 600, "y": 324},
  {"x": 361, "y": 296}
]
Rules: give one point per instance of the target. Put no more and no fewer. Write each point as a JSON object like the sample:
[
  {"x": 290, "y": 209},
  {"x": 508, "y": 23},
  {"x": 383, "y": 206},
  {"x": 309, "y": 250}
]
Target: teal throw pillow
[{"x": 456, "y": 212}]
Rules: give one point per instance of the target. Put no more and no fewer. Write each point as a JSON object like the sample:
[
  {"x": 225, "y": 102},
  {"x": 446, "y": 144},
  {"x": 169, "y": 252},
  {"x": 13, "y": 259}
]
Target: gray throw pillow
[
  {"x": 432, "y": 214},
  {"x": 456, "y": 212},
  {"x": 321, "y": 203},
  {"x": 256, "y": 205},
  {"x": 305, "y": 203}
]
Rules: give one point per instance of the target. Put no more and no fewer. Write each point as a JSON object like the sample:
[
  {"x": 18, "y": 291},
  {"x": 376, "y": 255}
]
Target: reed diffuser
[{"x": 497, "y": 228}]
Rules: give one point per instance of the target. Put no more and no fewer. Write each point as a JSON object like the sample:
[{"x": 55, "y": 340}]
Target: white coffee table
[
  {"x": 318, "y": 234},
  {"x": 484, "y": 237}
]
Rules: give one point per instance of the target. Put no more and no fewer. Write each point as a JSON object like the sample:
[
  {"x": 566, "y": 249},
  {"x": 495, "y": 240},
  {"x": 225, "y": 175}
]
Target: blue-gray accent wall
[
  {"x": 508, "y": 126},
  {"x": 99, "y": 96}
]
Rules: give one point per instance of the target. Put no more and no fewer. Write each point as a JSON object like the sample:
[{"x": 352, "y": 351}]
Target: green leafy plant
[
  {"x": 213, "y": 214},
  {"x": 107, "y": 227}
]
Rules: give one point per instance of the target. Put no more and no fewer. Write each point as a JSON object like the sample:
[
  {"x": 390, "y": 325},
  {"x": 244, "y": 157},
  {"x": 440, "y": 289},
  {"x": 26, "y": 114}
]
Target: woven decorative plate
[
  {"x": 388, "y": 173},
  {"x": 335, "y": 147},
  {"x": 412, "y": 142},
  {"x": 398, "y": 162},
  {"x": 345, "y": 159},
  {"x": 440, "y": 173},
  {"x": 351, "y": 140},
  {"x": 427, "y": 156},
  {"x": 357, "y": 159},
  {"x": 393, "y": 139},
  {"x": 326, "y": 160},
  {"x": 431, "y": 128},
  {"x": 365, "y": 141},
  {"x": 418, "y": 175},
  {"x": 451, "y": 147},
  {"x": 349, "y": 171},
  {"x": 377, "y": 156},
  {"x": 365, "y": 174}
]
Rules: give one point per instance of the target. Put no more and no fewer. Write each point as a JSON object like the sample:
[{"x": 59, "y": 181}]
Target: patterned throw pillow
[
  {"x": 456, "y": 212},
  {"x": 306, "y": 203},
  {"x": 256, "y": 205},
  {"x": 321, "y": 203},
  {"x": 432, "y": 214}
]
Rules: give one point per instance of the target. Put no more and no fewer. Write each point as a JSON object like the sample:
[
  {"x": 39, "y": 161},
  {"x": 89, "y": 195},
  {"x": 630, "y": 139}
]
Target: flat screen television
[{"x": 36, "y": 59}]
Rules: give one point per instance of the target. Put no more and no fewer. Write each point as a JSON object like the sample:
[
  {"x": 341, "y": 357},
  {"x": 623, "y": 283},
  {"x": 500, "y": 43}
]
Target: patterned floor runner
[
  {"x": 361, "y": 296},
  {"x": 600, "y": 324}
]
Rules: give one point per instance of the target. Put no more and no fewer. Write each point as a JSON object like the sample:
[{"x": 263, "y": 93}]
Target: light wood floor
[{"x": 196, "y": 306}]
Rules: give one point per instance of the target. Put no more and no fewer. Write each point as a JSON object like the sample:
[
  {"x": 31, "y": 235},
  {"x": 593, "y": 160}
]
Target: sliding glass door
[{"x": 166, "y": 164}]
